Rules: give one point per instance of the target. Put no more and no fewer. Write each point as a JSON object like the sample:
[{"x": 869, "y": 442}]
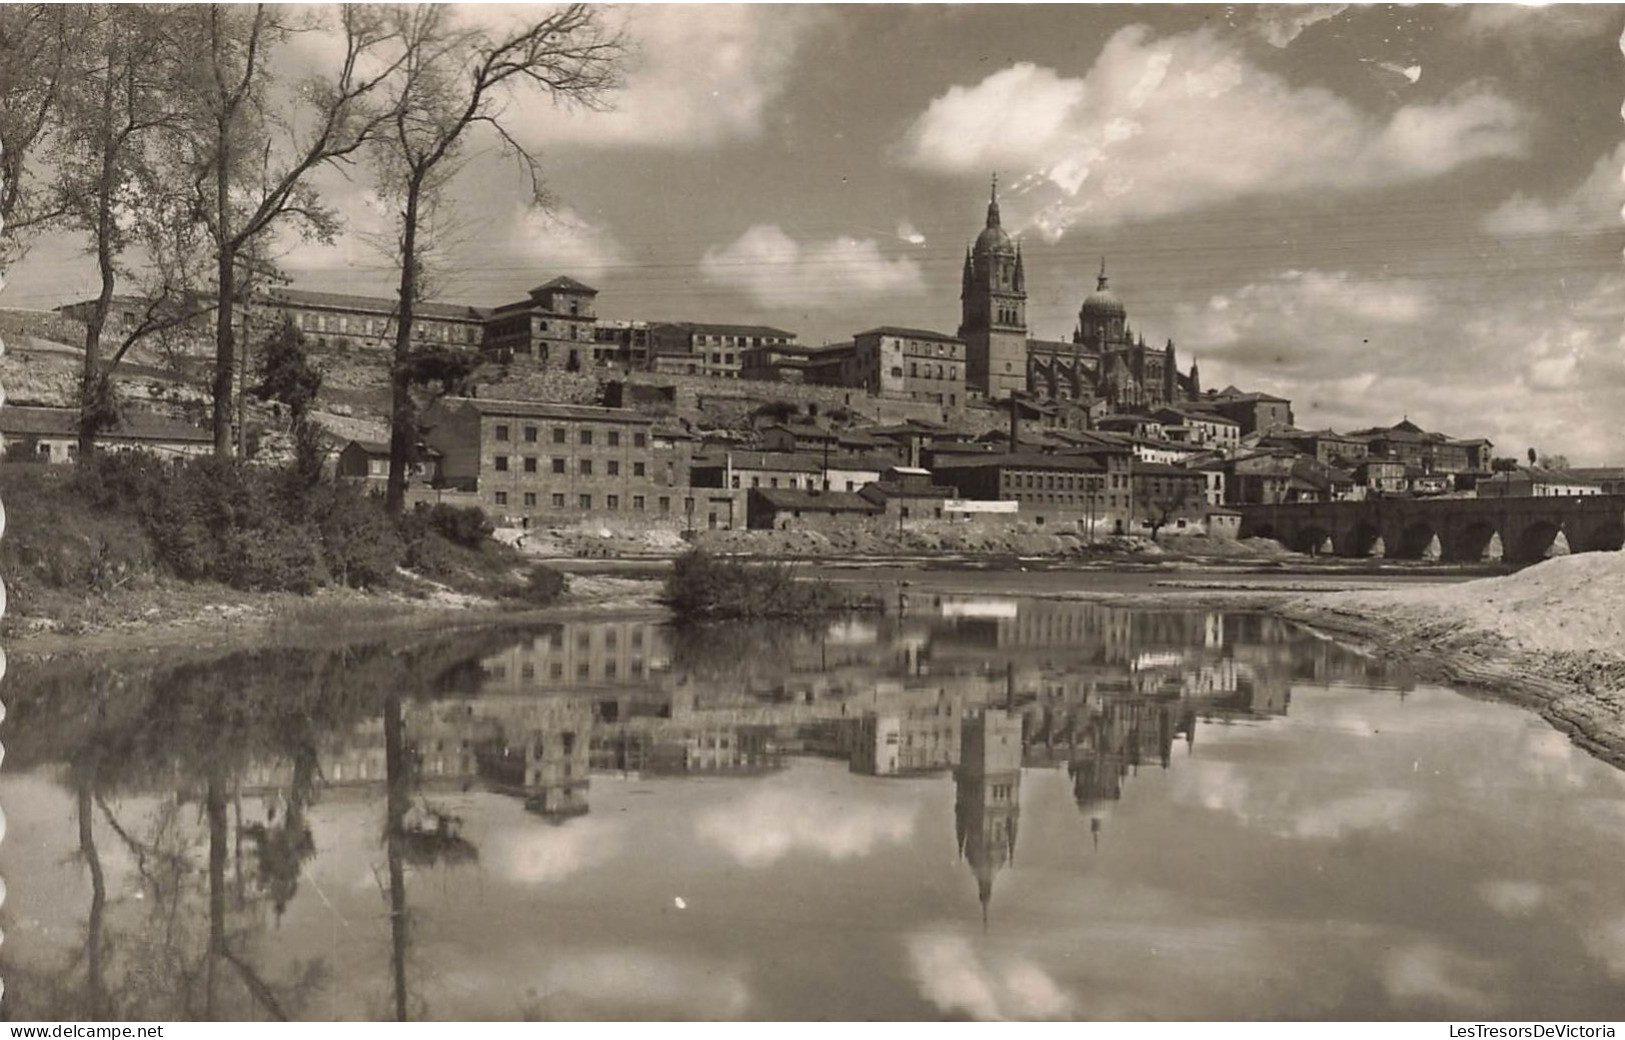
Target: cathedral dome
[
  {"x": 1102, "y": 303},
  {"x": 994, "y": 239}
]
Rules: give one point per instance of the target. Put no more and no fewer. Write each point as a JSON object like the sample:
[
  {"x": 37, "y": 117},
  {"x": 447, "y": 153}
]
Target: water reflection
[{"x": 193, "y": 788}]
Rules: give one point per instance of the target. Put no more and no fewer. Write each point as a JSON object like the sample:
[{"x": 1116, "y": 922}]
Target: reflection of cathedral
[
  {"x": 1104, "y": 359},
  {"x": 987, "y": 802}
]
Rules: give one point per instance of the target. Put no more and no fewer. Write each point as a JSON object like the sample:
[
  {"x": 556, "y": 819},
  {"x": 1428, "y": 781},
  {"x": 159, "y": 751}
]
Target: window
[
  {"x": 558, "y": 435},
  {"x": 614, "y": 438},
  {"x": 502, "y": 463},
  {"x": 558, "y": 465},
  {"x": 637, "y": 503},
  {"x": 637, "y": 469},
  {"x": 558, "y": 501},
  {"x": 586, "y": 501},
  {"x": 586, "y": 467},
  {"x": 665, "y": 504},
  {"x": 502, "y": 498},
  {"x": 639, "y": 440},
  {"x": 531, "y": 434},
  {"x": 612, "y": 502},
  {"x": 614, "y": 468},
  {"x": 530, "y": 499},
  {"x": 502, "y": 431},
  {"x": 586, "y": 436},
  {"x": 530, "y": 464}
]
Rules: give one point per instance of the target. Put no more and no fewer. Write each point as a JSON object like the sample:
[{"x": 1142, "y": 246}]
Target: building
[
  {"x": 369, "y": 461},
  {"x": 624, "y": 343},
  {"x": 694, "y": 349},
  {"x": 526, "y": 459},
  {"x": 987, "y": 796},
  {"x": 1200, "y": 427},
  {"x": 553, "y": 327},
  {"x": 335, "y": 321},
  {"x": 342, "y": 321},
  {"x": 1253, "y": 412},
  {"x": 1170, "y": 496},
  {"x": 910, "y": 365},
  {"x": 1086, "y": 490},
  {"x": 1433, "y": 453},
  {"x": 34, "y": 434},
  {"x": 1537, "y": 482},
  {"x": 795, "y": 363},
  {"x": 993, "y": 310},
  {"x": 909, "y": 493},
  {"x": 787, "y": 508}
]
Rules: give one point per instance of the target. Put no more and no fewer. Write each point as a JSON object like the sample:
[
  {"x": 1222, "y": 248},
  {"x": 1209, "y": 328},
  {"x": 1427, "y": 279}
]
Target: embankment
[{"x": 1551, "y": 637}]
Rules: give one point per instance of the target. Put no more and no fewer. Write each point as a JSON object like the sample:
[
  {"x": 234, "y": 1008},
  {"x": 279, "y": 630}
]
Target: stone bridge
[{"x": 1454, "y": 530}]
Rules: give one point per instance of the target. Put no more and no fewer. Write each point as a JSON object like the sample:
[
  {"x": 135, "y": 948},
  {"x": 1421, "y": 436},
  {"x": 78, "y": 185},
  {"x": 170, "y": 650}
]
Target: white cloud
[
  {"x": 982, "y": 984},
  {"x": 1594, "y": 205},
  {"x": 1279, "y": 24},
  {"x": 1165, "y": 126},
  {"x": 702, "y": 74},
  {"x": 560, "y": 241},
  {"x": 1513, "y": 898},
  {"x": 772, "y": 823},
  {"x": 1426, "y": 973},
  {"x": 1527, "y": 361},
  {"x": 621, "y": 984},
  {"x": 775, "y": 270},
  {"x": 542, "y": 854},
  {"x": 1605, "y": 940}
]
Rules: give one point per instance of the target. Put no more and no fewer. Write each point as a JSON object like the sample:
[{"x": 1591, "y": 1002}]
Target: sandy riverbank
[{"x": 1551, "y": 637}]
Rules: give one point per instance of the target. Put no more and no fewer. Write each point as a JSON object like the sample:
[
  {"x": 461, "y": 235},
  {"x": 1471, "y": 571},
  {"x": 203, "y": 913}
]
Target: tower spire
[
  {"x": 993, "y": 203},
  {"x": 1100, "y": 282}
]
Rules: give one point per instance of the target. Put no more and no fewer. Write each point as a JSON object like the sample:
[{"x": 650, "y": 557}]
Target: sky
[{"x": 1377, "y": 212}]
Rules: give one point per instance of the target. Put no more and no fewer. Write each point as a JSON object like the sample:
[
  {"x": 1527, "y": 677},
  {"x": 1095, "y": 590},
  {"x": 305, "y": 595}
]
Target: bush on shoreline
[
  {"x": 703, "y": 587},
  {"x": 125, "y": 520}
]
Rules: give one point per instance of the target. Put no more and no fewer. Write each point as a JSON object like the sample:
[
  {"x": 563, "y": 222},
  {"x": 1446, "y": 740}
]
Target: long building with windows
[{"x": 527, "y": 459}]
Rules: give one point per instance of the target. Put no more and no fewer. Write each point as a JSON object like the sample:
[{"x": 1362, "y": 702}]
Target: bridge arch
[
  {"x": 1418, "y": 540},
  {"x": 1472, "y": 543},
  {"x": 1535, "y": 540},
  {"x": 1312, "y": 539},
  {"x": 1596, "y": 534},
  {"x": 1363, "y": 539}
]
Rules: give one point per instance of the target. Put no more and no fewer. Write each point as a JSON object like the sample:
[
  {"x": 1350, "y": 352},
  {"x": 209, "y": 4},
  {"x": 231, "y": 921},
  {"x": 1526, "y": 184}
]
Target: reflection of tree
[
  {"x": 195, "y": 734},
  {"x": 738, "y": 651}
]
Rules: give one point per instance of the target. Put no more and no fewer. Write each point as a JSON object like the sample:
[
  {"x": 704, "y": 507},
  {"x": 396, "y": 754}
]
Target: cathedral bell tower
[{"x": 993, "y": 310}]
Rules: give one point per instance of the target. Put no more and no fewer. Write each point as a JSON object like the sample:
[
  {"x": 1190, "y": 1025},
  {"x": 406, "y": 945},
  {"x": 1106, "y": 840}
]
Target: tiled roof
[
  {"x": 708, "y": 329},
  {"x": 565, "y": 283},
  {"x": 1021, "y": 460},
  {"x": 896, "y": 330},
  {"x": 817, "y": 501},
  {"x": 547, "y": 410},
  {"x": 381, "y": 305},
  {"x": 22, "y": 420}
]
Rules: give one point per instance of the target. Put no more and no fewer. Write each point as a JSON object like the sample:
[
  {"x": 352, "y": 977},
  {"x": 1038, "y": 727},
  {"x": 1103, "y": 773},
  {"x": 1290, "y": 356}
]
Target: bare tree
[
  {"x": 250, "y": 149},
  {"x": 38, "y": 49},
  {"x": 454, "y": 79},
  {"x": 105, "y": 186},
  {"x": 1171, "y": 498}
]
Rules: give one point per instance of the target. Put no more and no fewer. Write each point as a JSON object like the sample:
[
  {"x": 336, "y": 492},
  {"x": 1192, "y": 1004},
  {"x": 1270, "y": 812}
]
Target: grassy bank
[{"x": 132, "y": 539}]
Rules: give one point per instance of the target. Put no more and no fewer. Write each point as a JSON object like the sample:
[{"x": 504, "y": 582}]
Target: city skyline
[{"x": 1375, "y": 212}]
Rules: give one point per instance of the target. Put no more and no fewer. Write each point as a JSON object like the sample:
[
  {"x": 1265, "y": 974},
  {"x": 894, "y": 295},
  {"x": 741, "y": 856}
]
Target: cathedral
[{"x": 1103, "y": 361}]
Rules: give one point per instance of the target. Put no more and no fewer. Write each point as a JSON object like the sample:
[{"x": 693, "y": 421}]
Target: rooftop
[{"x": 905, "y": 333}]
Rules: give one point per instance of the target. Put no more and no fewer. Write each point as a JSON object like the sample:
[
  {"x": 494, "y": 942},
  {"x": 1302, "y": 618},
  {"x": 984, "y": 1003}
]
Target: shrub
[
  {"x": 468, "y": 527},
  {"x": 361, "y": 545},
  {"x": 543, "y": 585},
  {"x": 703, "y": 587}
]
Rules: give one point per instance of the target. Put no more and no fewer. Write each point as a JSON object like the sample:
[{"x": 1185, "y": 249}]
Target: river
[{"x": 989, "y": 808}]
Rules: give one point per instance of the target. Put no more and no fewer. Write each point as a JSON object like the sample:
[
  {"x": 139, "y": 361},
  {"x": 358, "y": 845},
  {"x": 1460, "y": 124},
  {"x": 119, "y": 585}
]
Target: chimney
[{"x": 1015, "y": 435}]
